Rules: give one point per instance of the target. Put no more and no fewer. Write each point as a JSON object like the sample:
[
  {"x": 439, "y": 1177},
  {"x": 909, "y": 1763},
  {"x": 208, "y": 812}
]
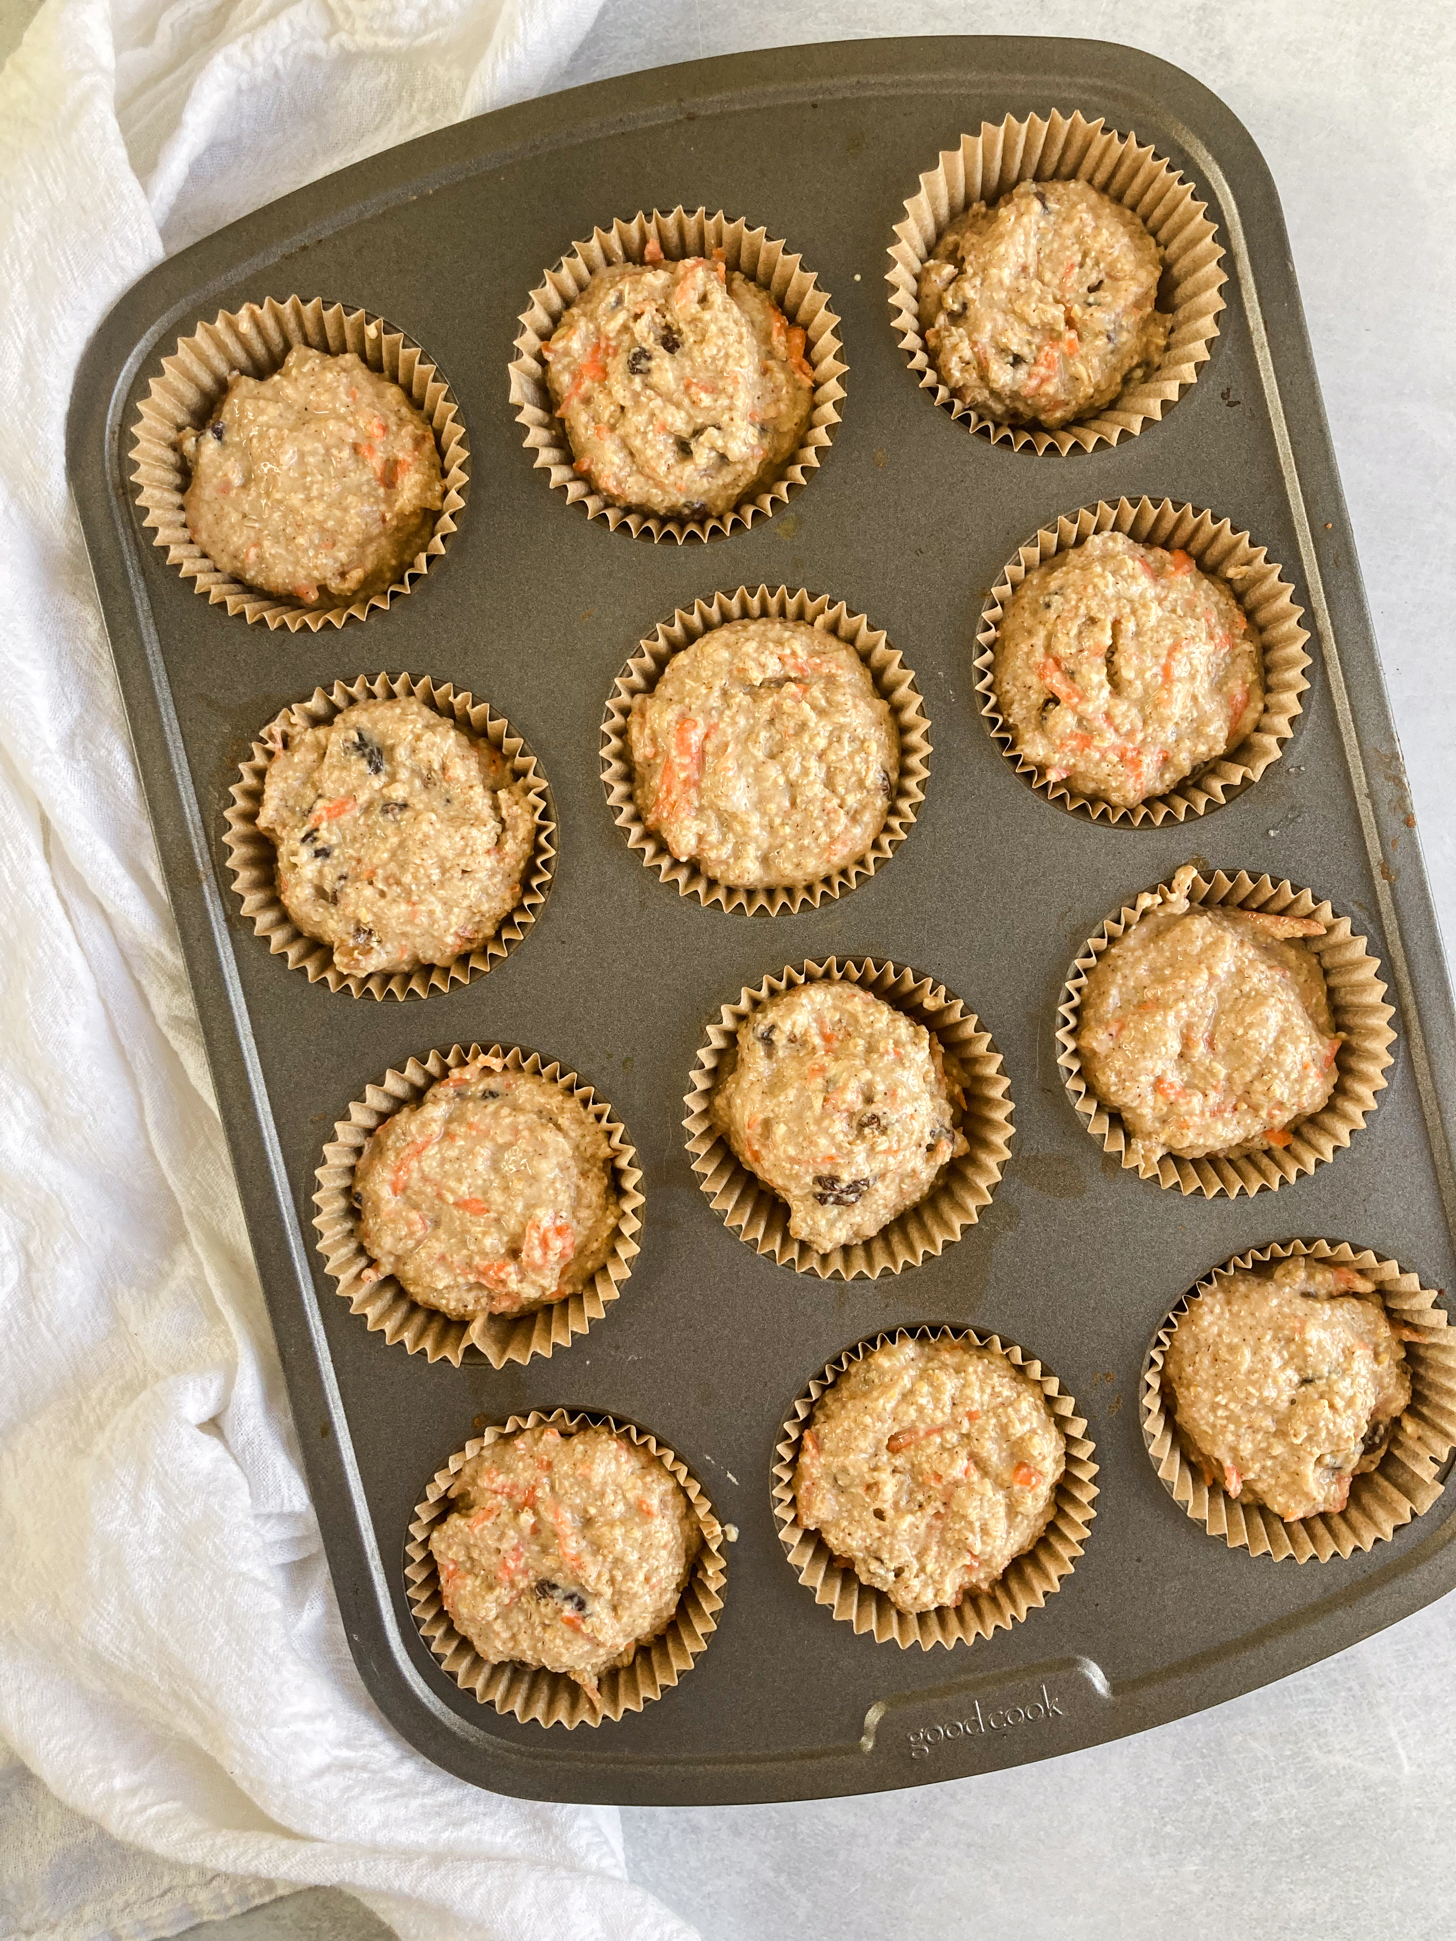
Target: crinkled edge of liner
[
  {"x": 894, "y": 683},
  {"x": 386, "y": 1307}
]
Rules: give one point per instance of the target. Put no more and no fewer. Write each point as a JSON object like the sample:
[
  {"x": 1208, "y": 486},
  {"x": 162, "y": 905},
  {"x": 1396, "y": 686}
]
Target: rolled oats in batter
[
  {"x": 764, "y": 754},
  {"x": 1209, "y": 1029},
  {"x": 842, "y": 1104},
  {"x": 564, "y": 1550},
  {"x": 1040, "y": 309},
  {"x": 930, "y": 1465},
  {"x": 322, "y": 479},
  {"x": 1287, "y": 1382},
  {"x": 401, "y": 839},
  {"x": 491, "y": 1196},
  {"x": 1123, "y": 670},
  {"x": 683, "y": 387}
]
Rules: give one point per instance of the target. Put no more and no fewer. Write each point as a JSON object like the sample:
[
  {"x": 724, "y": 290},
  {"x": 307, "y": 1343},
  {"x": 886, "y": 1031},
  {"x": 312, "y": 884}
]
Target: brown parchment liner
[
  {"x": 1255, "y": 582},
  {"x": 893, "y": 681},
  {"x": 1356, "y": 999},
  {"x": 1028, "y": 1580},
  {"x": 755, "y": 1212},
  {"x": 386, "y": 1307},
  {"x": 256, "y": 340},
  {"x": 551, "y": 1698},
  {"x": 986, "y": 167},
  {"x": 252, "y": 858},
  {"x": 1406, "y": 1481},
  {"x": 679, "y": 235}
]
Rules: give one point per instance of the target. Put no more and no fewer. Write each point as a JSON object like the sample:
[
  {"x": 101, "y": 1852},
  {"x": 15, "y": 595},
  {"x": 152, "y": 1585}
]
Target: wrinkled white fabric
[{"x": 171, "y": 1659}]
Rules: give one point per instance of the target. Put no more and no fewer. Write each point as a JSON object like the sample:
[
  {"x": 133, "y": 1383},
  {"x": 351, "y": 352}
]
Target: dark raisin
[
  {"x": 887, "y": 788},
  {"x": 670, "y": 340},
  {"x": 314, "y": 843},
  {"x": 941, "y": 1136},
  {"x": 394, "y": 810},
  {"x": 871, "y": 1122},
  {"x": 1015, "y": 359},
  {"x": 834, "y": 1191},
  {"x": 766, "y": 1035},
  {"x": 216, "y": 429},
  {"x": 685, "y": 447},
  {"x": 368, "y": 750},
  {"x": 638, "y": 360},
  {"x": 362, "y": 934},
  {"x": 1095, "y": 284},
  {"x": 489, "y": 1092},
  {"x": 569, "y": 1600}
]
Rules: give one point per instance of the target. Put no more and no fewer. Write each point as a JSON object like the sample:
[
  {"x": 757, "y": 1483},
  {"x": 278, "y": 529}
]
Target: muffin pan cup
[
  {"x": 1407, "y": 1479},
  {"x": 987, "y": 166},
  {"x": 1260, "y": 588},
  {"x": 252, "y": 858},
  {"x": 1027, "y": 1581},
  {"x": 386, "y": 1307},
  {"x": 528, "y": 1692},
  {"x": 679, "y": 234},
  {"x": 894, "y": 683},
  {"x": 255, "y": 340}
]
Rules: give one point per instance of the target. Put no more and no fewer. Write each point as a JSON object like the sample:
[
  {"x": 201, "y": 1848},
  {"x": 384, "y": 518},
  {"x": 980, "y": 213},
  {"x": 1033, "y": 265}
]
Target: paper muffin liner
[
  {"x": 252, "y": 858},
  {"x": 1028, "y": 1580},
  {"x": 1356, "y": 993},
  {"x": 989, "y": 165},
  {"x": 1407, "y": 1480},
  {"x": 752, "y": 1209},
  {"x": 379, "y": 1297},
  {"x": 1256, "y": 583},
  {"x": 255, "y": 340},
  {"x": 679, "y": 235},
  {"x": 551, "y": 1698},
  {"x": 894, "y": 683}
]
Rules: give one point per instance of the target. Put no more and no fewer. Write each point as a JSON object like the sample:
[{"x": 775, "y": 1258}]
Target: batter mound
[
  {"x": 1209, "y": 1030},
  {"x": 1039, "y": 310},
  {"x": 401, "y": 839},
  {"x": 566, "y": 1551},
  {"x": 491, "y": 1196},
  {"x": 1287, "y": 1382},
  {"x": 683, "y": 387},
  {"x": 930, "y": 1465},
  {"x": 764, "y": 754},
  {"x": 841, "y": 1103},
  {"x": 1122, "y": 669},
  {"x": 323, "y": 478}
]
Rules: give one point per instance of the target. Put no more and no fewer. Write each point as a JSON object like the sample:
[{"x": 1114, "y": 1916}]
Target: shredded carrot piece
[
  {"x": 1025, "y": 1477},
  {"x": 653, "y": 252},
  {"x": 1280, "y": 1136},
  {"x": 331, "y": 811}
]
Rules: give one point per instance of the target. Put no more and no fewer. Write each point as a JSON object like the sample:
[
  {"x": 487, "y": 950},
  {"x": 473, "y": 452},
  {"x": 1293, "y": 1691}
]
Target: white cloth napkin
[{"x": 172, "y": 1663}]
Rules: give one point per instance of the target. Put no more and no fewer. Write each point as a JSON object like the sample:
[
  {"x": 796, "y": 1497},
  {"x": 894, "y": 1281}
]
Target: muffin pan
[{"x": 534, "y": 609}]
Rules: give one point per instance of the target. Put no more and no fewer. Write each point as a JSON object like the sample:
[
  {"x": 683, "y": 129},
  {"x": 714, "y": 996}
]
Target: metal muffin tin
[{"x": 910, "y": 520}]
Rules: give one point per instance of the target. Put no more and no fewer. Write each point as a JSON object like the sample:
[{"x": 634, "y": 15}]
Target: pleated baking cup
[
  {"x": 986, "y": 167},
  {"x": 1256, "y": 583},
  {"x": 551, "y": 1698},
  {"x": 255, "y": 341},
  {"x": 253, "y": 860},
  {"x": 386, "y": 1307},
  {"x": 752, "y": 1209},
  {"x": 1408, "y": 1478},
  {"x": 1356, "y": 994},
  {"x": 894, "y": 683},
  {"x": 1028, "y": 1580},
  {"x": 678, "y": 235}
]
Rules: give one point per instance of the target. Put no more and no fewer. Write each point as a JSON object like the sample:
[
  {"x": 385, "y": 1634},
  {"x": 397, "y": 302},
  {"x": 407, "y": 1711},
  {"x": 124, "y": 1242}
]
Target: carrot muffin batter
[
  {"x": 1287, "y": 1382},
  {"x": 841, "y": 1104},
  {"x": 764, "y": 754},
  {"x": 566, "y": 1551},
  {"x": 930, "y": 1465},
  {"x": 1122, "y": 669},
  {"x": 491, "y": 1196},
  {"x": 683, "y": 387},
  {"x": 401, "y": 839},
  {"x": 1040, "y": 309},
  {"x": 323, "y": 478},
  {"x": 1209, "y": 1030}
]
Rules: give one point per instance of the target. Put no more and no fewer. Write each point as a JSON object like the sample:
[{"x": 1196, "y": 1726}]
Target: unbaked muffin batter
[
  {"x": 1039, "y": 310},
  {"x": 323, "y": 478},
  {"x": 1287, "y": 1382},
  {"x": 492, "y": 1195},
  {"x": 930, "y": 1465},
  {"x": 566, "y": 1551},
  {"x": 683, "y": 387},
  {"x": 842, "y": 1104},
  {"x": 1122, "y": 669},
  {"x": 1209, "y": 1030},
  {"x": 401, "y": 839},
  {"x": 765, "y": 754}
]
